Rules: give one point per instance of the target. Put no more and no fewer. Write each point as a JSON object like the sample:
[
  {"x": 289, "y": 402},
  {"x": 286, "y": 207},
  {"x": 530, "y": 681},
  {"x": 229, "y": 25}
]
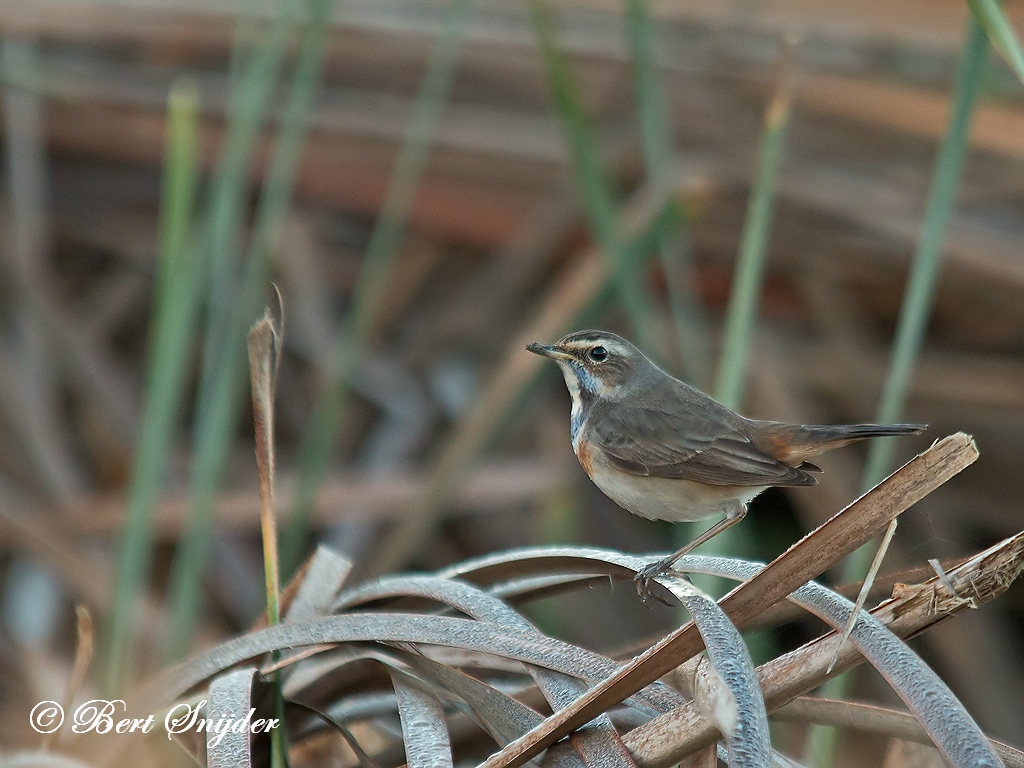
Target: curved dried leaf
[
  {"x": 456, "y": 594},
  {"x": 326, "y": 572},
  {"x": 598, "y": 745},
  {"x": 748, "y": 738},
  {"x": 751, "y": 743},
  {"x": 532, "y": 588},
  {"x": 423, "y": 724},
  {"x": 330, "y": 666},
  {"x": 392, "y": 662},
  {"x": 559, "y": 689},
  {"x": 479, "y": 636},
  {"x": 504, "y": 717},
  {"x": 230, "y": 698},
  {"x": 365, "y": 706},
  {"x": 523, "y": 646},
  {"x": 527, "y": 562}
]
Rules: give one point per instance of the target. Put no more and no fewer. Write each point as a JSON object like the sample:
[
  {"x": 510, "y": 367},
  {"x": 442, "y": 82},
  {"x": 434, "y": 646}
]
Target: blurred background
[{"x": 813, "y": 210}]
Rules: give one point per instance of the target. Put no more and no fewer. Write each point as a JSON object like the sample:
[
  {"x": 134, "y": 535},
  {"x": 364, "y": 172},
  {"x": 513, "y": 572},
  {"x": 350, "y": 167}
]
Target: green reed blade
[
  {"x": 992, "y": 19},
  {"x": 753, "y": 252},
  {"x": 221, "y": 403},
  {"x": 179, "y": 280},
  {"x": 744, "y": 298},
  {"x": 594, "y": 188},
  {"x": 659, "y": 155}
]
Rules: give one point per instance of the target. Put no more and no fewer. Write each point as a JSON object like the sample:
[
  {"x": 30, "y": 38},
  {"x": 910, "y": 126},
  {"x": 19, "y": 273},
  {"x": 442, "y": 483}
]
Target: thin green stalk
[
  {"x": 924, "y": 275},
  {"x": 253, "y": 76},
  {"x": 256, "y": 75},
  {"x": 378, "y": 261},
  {"x": 992, "y": 19},
  {"x": 659, "y": 155},
  {"x": 746, "y": 289},
  {"x": 172, "y": 328},
  {"x": 597, "y": 194},
  {"x": 749, "y": 279},
  {"x": 246, "y": 41},
  {"x": 655, "y": 125},
  {"x": 220, "y": 406},
  {"x": 914, "y": 314}
]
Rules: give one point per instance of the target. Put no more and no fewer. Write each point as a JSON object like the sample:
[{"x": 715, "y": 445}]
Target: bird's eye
[{"x": 599, "y": 354}]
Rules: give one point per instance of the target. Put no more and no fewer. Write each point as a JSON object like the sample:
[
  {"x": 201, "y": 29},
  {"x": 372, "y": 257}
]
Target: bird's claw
[{"x": 644, "y": 577}]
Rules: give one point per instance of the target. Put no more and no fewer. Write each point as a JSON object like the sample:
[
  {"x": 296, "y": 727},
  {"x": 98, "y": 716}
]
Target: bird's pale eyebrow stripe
[{"x": 610, "y": 344}]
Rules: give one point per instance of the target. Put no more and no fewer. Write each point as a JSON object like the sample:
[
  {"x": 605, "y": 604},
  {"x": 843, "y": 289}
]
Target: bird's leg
[{"x": 735, "y": 512}]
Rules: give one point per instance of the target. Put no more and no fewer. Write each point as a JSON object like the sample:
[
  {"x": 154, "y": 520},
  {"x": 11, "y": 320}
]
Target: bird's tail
[{"x": 797, "y": 442}]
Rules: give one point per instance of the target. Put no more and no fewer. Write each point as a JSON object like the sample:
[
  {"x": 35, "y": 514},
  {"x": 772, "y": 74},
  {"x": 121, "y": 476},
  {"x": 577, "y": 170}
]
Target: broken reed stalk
[
  {"x": 805, "y": 560},
  {"x": 262, "y": 345},
  {"x": 913, "y": 608},
  {"x": 264, "y": 357}
]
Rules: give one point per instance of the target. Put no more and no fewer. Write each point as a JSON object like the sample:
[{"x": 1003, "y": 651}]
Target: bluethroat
[{"x": 666, "y": 451}]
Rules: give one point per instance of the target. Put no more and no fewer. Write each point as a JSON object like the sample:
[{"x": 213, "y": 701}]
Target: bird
[{"x": 662, "y": 449}]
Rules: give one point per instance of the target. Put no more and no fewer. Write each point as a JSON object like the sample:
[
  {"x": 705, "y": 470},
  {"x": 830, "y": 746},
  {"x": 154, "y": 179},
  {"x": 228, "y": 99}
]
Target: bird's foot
[{"x": 647, "y": 573}]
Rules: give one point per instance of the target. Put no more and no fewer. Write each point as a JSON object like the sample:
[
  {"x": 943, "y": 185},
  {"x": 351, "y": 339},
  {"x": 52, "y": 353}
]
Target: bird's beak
[{"x": 548, "y": 350}]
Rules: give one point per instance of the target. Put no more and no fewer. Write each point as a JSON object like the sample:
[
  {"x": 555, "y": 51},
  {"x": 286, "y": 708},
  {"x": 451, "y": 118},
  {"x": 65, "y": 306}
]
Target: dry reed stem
[
  {"x": 262, "y": 354},
  {"x": 805, "y": 560},
  {"x": 85, "y": 643},
  {"x": 349, "y": 495},
  {"x": 874, "y": 719},
  {"x": 912, "y": 609}
]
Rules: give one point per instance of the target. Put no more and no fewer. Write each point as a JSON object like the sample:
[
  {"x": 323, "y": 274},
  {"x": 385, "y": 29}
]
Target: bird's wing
[{"x": 709, "y": 448}]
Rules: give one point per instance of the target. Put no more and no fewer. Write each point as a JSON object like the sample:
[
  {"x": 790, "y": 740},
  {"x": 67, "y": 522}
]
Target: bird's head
[{"x": 598, "y": 363}]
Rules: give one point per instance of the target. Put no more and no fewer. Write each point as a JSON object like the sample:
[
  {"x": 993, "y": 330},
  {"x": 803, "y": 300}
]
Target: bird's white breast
[{"x": 658, "y": 498}]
